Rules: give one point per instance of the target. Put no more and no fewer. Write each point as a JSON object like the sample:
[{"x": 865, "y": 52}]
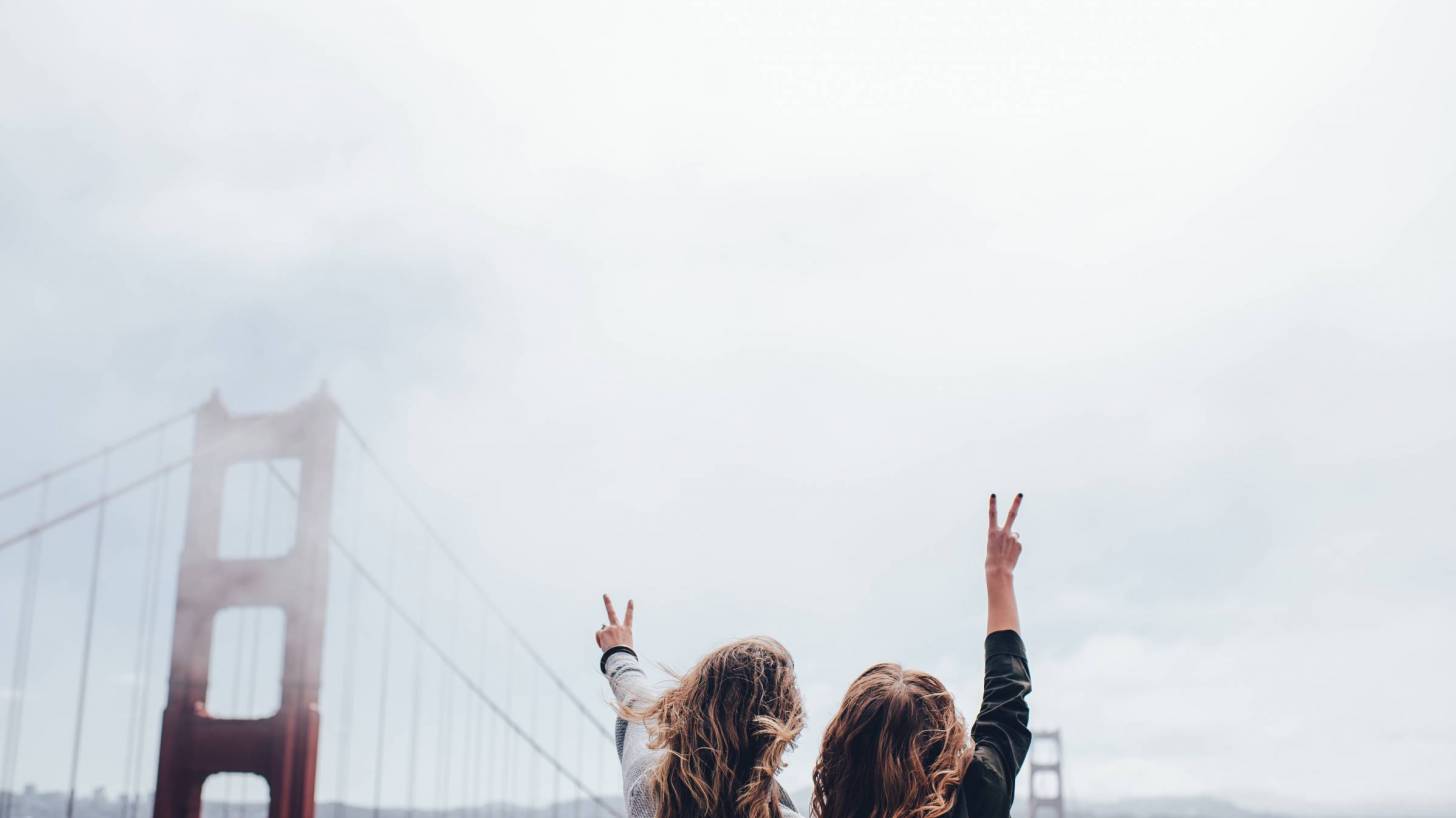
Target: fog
[{"x": 741, "y": 310}]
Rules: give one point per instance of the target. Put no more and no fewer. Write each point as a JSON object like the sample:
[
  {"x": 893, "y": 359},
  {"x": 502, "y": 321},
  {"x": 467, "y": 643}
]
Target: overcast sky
[{"x": 741, "y": 309}]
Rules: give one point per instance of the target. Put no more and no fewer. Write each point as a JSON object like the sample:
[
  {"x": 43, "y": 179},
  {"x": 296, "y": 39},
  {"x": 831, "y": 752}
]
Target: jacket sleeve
[
  {"x": 1002, "y": 737},
  {"x": 629, "y": 686}
]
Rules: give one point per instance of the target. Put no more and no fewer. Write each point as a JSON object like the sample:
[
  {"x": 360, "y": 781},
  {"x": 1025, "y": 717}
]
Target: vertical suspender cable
[
  {"x": 496, "y": 751},
  {"x": 477, "y": 763},
  {"x": 384, "y": 666},
  {"x": 535, "y": 788},
  {"x": 435, "y": 754},
  {"x": 467, "y": 747},
  {"x": 414, "y": 730},
  {"x": 151, "y": 639},
  {"x": 467, "y": 755},
  {"x": 556, "y": 791},
  {"x": 134, "y": 716},
  {"x": 446, "y": 733},
  {"x": 24, "y": 627},
  {"x": 346, "y": 674},
  {"x": 482, "y": 737},
  {"x": 508, "y": 755},
  {"x": 350, "y": 630},
  {"x": 602, "y": 781},
  {"x": 580, "y": 762},
  {"x": 256, "y": 614},
  {"x": 487, "y": 723},
  {"x": 442, "y": 717},
  {"x": 86, "y": 640},
  {"x": 482, "y": 787},
  {"x": 250, "y": 534}
]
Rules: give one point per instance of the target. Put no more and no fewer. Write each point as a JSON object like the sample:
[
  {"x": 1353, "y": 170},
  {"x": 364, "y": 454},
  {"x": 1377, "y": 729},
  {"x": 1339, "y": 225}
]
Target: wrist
[
  {"x": 998, "y": 575},
  {"x": 614, "y": 650}
]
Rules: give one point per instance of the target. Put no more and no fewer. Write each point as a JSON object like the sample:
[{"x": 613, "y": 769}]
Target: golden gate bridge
[{"x": 324, "y": 637}]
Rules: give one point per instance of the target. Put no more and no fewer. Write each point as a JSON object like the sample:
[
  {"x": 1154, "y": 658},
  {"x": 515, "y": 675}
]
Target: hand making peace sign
[
  {"x": 1003, "y": 546},
  {"x": 613, "y": 633}
]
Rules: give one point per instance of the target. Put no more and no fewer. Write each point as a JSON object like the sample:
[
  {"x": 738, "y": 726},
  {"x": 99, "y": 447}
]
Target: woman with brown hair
[
  {"x": 711, "y": 745},
  {"x": 898, "y": 748}
]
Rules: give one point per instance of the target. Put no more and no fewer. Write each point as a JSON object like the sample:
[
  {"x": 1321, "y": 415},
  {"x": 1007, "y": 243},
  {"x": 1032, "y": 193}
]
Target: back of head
[
  {"x": 725, "y": 728},
  {"x": 897, "y": 748}
]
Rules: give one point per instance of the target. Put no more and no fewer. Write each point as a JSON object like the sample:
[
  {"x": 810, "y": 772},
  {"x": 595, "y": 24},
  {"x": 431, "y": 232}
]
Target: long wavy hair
[
  {"x": 897, "y": 748},
  {"x": 725, "y": 727}
]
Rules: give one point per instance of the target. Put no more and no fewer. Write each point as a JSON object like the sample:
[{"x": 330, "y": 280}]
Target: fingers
[
  {"x": 993, "y": 512},
  {"x": 628, "y": 620},
  {"x": 611, "y": 612},
  {"x": 1011, "y": 515}
]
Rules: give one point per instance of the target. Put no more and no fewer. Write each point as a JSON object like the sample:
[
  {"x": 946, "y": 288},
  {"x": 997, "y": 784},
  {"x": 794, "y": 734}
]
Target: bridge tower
[
  {"x": 1045, "y": 779},
  {"x": 281, "y": 748}
]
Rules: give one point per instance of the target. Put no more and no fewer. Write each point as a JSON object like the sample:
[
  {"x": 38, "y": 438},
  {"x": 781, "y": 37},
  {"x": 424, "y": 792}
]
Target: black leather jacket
[{"x": 1001, "y": 734}]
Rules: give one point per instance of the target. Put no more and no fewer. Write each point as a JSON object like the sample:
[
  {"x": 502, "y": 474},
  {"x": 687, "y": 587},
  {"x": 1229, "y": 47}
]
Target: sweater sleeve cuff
[
  {"x": 1004, "y": 642},
  {"x": 615, "y": 649}
]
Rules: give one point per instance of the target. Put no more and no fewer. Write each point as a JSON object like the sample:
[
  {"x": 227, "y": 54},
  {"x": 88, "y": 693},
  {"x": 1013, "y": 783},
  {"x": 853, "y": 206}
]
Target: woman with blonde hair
[
  {"x": 898, "y": 748},
  {"x": 711, "y": 745}
]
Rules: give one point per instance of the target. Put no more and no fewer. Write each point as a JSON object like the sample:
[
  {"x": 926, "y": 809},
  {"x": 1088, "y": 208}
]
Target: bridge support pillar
[
  {"x": 281, "y": 748},
  {"x": 1044, "y": 778}
]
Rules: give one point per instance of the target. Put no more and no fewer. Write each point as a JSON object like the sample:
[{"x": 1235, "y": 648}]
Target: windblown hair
[
  {"x": 725, "y": 728},
  {"x": 897, "y": 748}
]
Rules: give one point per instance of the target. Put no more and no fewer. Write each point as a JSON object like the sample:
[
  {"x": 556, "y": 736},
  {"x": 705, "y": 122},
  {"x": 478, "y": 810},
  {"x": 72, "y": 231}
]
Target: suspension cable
[
  {"x": 104, "y": 451},
  {"x": 448, "y": 663},
  {"x": 393, "y": 608},
  {"x": 468, "y": 575},
  {"x": 98, "y": 502}
]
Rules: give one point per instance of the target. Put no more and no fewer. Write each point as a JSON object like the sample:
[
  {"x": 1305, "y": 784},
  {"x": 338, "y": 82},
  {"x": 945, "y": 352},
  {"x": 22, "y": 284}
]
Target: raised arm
[
  {"x": 629, "y": 686},
  {"x": 1001, "y": 734}
]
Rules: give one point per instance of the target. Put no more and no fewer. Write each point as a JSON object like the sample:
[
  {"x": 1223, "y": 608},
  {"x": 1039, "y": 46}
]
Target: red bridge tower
[{"x": 281, "y": 748}]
